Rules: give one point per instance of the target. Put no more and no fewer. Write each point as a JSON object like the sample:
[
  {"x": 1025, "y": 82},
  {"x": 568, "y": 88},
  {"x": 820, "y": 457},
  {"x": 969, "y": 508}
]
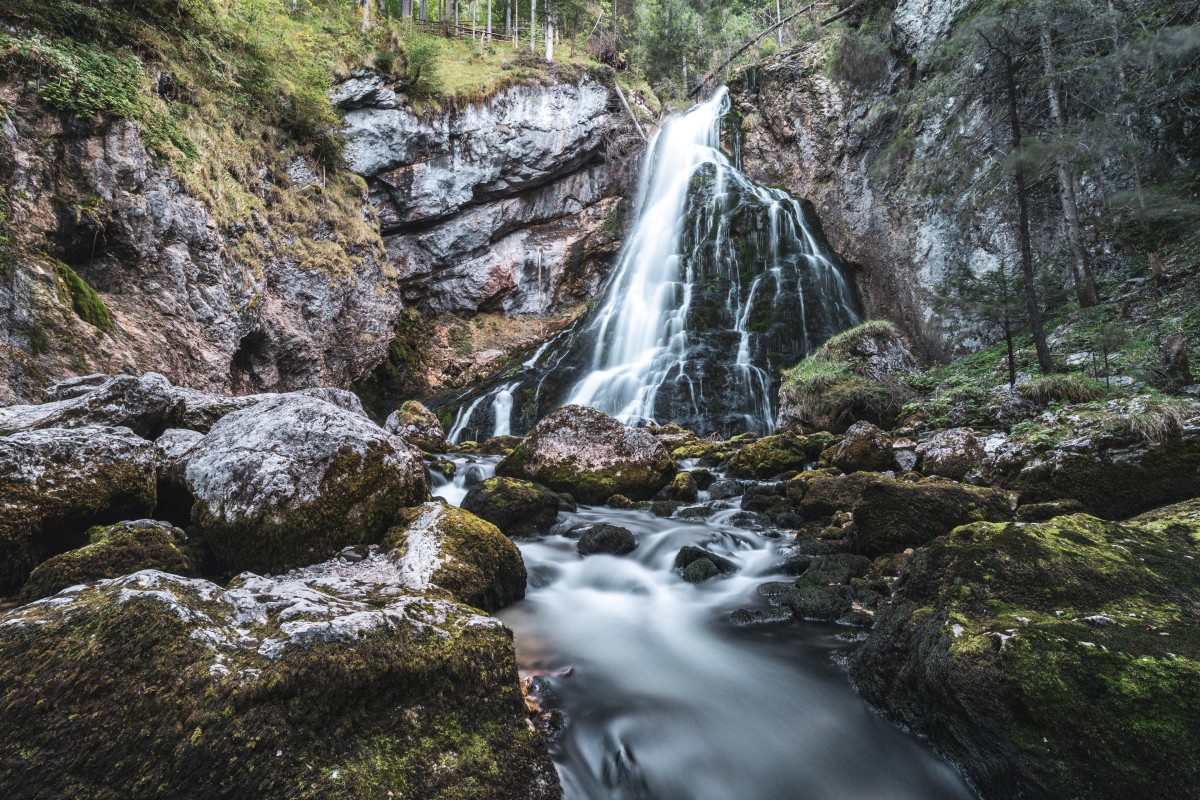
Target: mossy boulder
[
  {"x": 447, "y": 548},
  {"x": 1050, "y": 660},
  {"x": 1117, "y": 458},
  {"x": 499, "y": 445},
  {"x": 682, "y": 488},
  {"x": 417, "y": 425},
  {"x": 705, "y": 450},
  {"x": 812, "y": 600},
  {"x": 956, "y": 453},
  {"x": 864, "y": 448},
  {"x": 112, "y": 551},
  {"x": 518, "y": 508},
  {"x": 294, "y": 479},
  {"x": 56, "y": 483},
  {"x": 859, "y": 374},
  {"x": 773, "y": 455},
  {"x": 591, "y": 456},
  {"x": 336, "y": 681},
  {"x": 891, "y": 514}
]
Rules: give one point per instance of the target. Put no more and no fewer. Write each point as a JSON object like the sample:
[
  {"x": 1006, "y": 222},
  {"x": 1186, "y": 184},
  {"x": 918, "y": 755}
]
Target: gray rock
[
  {"x": 724, "y": 489},
  {"x": 610, "y": 539},
  {"x": 956, "y": 453},
  {"x": 698, "y": 565}
]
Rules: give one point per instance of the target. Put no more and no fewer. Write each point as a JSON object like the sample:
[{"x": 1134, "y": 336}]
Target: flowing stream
[{"x": 663, "y": 698}]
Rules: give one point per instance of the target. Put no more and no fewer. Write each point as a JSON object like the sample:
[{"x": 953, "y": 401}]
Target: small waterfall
[
  {"x": 502, "y": 410},
  {"x": 720, "y": 284}
]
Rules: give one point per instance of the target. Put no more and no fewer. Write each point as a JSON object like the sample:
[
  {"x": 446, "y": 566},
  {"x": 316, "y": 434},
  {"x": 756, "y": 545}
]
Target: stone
[
  {"x": 772, "y": 455},
  {"x": 818, "y": 602},
  {"x": 518, "y": 508},
  {"x": 745, "y": 617},
  {"x": 293, "y": 479},
  {"x": 341, "y": 677},
  {"x": 417, "y": 425},
  {"x": 698, "y": 565},
  {"x": 990, "y": 649},
  {"x": 55, "y": 483},
  {"x": 591, "y": 456},
  {"x": 682, "y": 488},
  {"x": 724, "y": 489},
  {"x": 865, "y": 448},
  {"x": 147, "y": 405},
  {"x": 112, "y": 551},
  {"x": 610, "y": 539},
  {"x": 439, "y": 547},
  {"x": 956, "y": 454}
]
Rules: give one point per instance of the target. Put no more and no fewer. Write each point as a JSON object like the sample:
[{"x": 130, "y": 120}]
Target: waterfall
[{"x": 720, "y": 284}]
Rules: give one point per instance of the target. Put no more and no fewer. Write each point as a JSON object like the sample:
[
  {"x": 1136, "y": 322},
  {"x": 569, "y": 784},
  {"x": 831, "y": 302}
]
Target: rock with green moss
[
  {"x": 1117, "y": 458},
  {"x": 112, "y": 551},
  {"x": 56, "y": 483},
  {"x": 293, "y": 479},
  {"x": 864, "y": 448},
  {"x": 956, "y": 453},
  {"x": 590, "y": 455},
  {"x": 1050, "y": 660},
  {"x": 417, "y": 425},
  {"x": 499, "y": 445},
  {"x": 860, "y": 374},
  {"x": 341, "y": 680},
  {"x": 439, "y": 547},
  {"x": 773, "y": 455},
  {"x": 698, "y": 565},
  {"x": 518, "y": 508},
  {"x": 891, "y": 514},
  {"x": 682, "y": 488}
]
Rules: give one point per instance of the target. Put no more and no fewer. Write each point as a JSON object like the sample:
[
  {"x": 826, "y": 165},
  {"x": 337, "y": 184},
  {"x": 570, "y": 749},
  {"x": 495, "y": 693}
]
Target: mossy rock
[
  {"x": 459, "y": 553},
  {"x": 113, "y": 551},
  {"x": 698, "y": 565},
  {"x": 499, "y": 445},
  {"x": 818, "y": 602},
  {"x": 864, "y": 448},
  {"x": 418, "y": 426},
  {"x": 773, "y": 455},
  {"x": 294, "y": 479},
  {"x": 591, "y": 456},
  {"x": 702, "y": 449},
  {"x": 57, "y": 483},
  {"x": 518, "y": 508},
  {"x": 1050, "y": 660},
  {"x": 891, "y": 514},
  {"x": 682, "y": 488},
  {"x": 344, "y": 685}
]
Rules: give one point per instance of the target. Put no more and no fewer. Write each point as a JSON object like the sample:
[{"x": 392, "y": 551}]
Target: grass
[{"x": 1062, "y": 387}]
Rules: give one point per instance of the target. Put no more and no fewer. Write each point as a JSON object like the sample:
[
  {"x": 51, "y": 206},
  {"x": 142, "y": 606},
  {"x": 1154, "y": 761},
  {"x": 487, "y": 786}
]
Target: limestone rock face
[
  {"x": 293, "y": 479},
  {"x": 55, "y": 483},
  {"x": 341, "y": 677},
  {"x": 591, "y": 456},
  {"x": 112, "y": 551}
]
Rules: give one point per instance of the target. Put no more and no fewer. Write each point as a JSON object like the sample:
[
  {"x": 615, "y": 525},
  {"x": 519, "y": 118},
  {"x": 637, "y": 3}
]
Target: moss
[
  {"x": 1058, "y": 680},
  {"x": 88, "y": 305},
  {"x": 772, "y": 455},
  {"x": 112, "y": 551},
  {"x": 702, "y": 449},
  {"x": 481, "y": 566},
  {"x": 517, "y": 507}
]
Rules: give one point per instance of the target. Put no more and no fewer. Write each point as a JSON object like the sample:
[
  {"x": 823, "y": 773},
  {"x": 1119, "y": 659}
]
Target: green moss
[
  {"x": 88, "y": 305},
  {"x": 517, "y": 507},
  {"x": 772, "y": 455}
]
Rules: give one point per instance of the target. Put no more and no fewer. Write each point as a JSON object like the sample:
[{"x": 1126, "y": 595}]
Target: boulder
[
  {"x": 698, "y": 565},
  {"x": 812, "y": 600},
  {"x": 724, "y": 489},
  {"x": 682, "y": 488},
  {"x": 56, "y": 483},
  {"x": 417, "y": 425},
  {"x": 956, "y": 454},
  {"x": 1116, "y": 458},
  {"x": 591, "y": 456},
  {"x": 112, "y": 551},
  {"x": 609, "y": 539},
  {"x": 174, "y": 499},
  {"x": 441, "y": 547},
  {"x": 293, "y": 479},
  {"x": 773, "y": 455},
  {"x": 147, "y": 405},
  {"x": 499, "y": 445},
  {"x": 889, "y": 514},
  {"x": 518, "y": 508},
  {"x": 340, "y": 680},
  {"x": 1050, "y": 660},
  {"x": 864, "y": 448}
]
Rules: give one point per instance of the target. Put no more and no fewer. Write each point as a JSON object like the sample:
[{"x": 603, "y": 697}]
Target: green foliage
[
  {"x": 422, "y": 54},
  {"x": 1062, "y": 388},
  {"x": 860, "y": 58},
  {"x": 88, "y": 305}
]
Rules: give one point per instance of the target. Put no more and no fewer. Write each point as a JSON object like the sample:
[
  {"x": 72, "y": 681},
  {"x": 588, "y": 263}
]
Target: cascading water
[{"x": 720, "y": 284}]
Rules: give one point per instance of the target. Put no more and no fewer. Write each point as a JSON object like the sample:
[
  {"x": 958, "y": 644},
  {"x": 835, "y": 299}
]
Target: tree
[{"x": 989, "y": 299}]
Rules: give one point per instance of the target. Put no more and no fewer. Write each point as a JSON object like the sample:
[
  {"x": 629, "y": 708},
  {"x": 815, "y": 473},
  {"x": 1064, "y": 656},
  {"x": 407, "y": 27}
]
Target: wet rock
[
  {"x": 986, "y": 649},
  {"x": 609, "y": 539},
  {"x": 695, "y": 512},
  {"x": 703, "y": 478},
  {"x": 439, "y": 547},
  {"x": 56, "y": 483},
  {"x": 590, "y": 455},
  {"x": 112, "y": 551},
  {"x": 745, "y": 617},
  {"x": 619, "y": 501},
  {"x": 698, "y": 565},
  {"x": 772, "y": 455},
  {"x": 294, "y": 479},
  {"x": 838, "y": 568},
  {"x": 499, "y": 445},
  {"x": 818, "y": 602},
  {"x": 443, "y": 467},
  {"x": 518, "y": 508},
  {"x": 682, "y": 489},
  {"x": 420, "y": 427},
  {"x": 665, "y": 508},
  {"x": 796, "y": 565},
  {"x": 724, "y": 489},
  {"x": 956, "y": 454},
  {"x": 750, "y": 521},
  {"x": 339, "y": 646},
  {"x": 865, "y": 448},
  {"x": 474, "y": 475}
]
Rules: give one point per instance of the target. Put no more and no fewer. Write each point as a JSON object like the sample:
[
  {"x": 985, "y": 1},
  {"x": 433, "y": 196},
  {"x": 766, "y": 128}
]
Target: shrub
[
  {"x": 1062, "y": 388},
  {"x": 422, "y": 55}
]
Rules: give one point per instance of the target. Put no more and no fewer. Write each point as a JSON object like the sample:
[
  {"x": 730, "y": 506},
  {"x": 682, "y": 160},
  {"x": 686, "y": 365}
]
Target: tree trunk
[
  {"x": 366, "y": 23},
  {"x": 421, "y": 10},
  {"x": 779, "y": 22},
  {"x": 1081, "y": 266},
  {"x": 533, "y": 27},
  {"x": 489, "y": 20},
  {"x": 1045, "y": 363}
]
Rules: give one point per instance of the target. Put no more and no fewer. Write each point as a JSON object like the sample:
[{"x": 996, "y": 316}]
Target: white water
[{"x": 502, "y": 410}]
